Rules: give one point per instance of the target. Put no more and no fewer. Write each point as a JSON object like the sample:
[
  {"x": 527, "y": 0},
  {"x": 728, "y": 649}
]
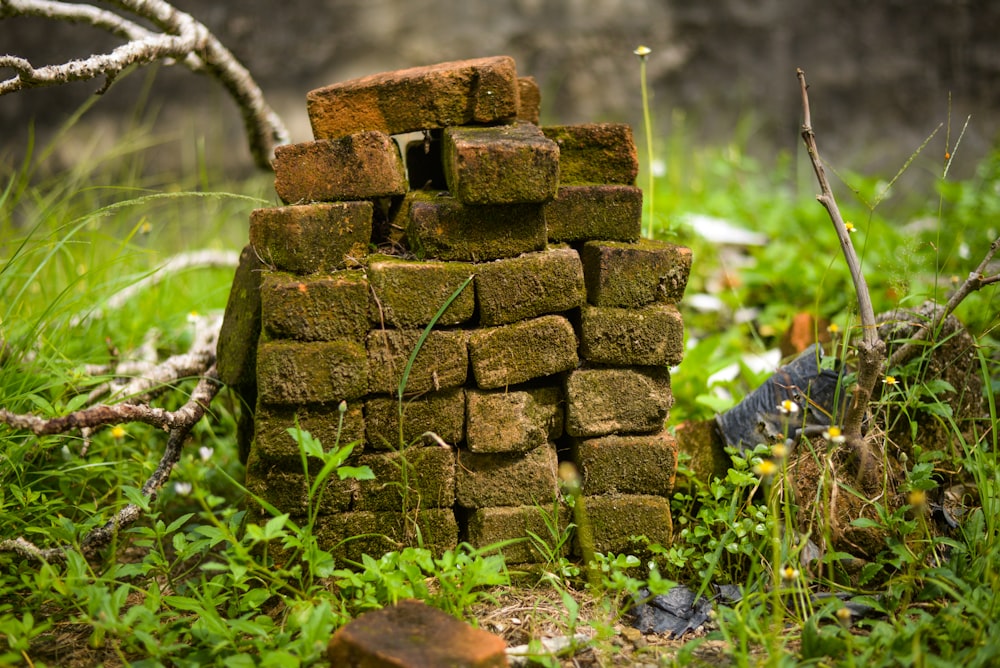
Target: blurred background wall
[{"x": 882, "y": 72}]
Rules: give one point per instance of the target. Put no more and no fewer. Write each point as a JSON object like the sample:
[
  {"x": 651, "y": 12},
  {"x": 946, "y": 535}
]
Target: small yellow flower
[
  {"x": 146, "y": 227},
  {"x": 192, "y": 317},
  {"x": 844, "y": 616},
  {"x": 789, "y": 573},
  {"x": 850, "y": 227},
  {"x": 917, "y": 498},
  {"x": 890, "y": 380},
  {"x": 788, "y": 407},
  {"x": 834, "y": 329},
  {"x": 834, "y": 435},
  {"x": 118, "y": 432},
  {"x": 779, "y": 450},
  {"x": 766, "y": 468},
  {"x": 642, "y": 51}
]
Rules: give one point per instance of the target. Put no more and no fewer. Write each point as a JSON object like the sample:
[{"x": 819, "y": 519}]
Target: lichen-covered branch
[{"x": 183, "y": 39}]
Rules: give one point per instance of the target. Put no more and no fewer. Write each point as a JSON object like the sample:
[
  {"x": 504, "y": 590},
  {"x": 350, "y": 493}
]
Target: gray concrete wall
[{"x": 880, "y": 71}]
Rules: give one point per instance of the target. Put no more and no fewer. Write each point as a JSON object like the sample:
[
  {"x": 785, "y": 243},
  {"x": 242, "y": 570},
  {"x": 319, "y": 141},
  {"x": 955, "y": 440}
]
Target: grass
[{"x": 191, "y": 584}]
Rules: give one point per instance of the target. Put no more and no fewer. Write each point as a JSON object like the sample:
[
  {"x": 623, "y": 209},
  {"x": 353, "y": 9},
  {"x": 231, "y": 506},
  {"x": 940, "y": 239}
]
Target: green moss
[
  {"x": 602, "y": 401},
  {"x": 442, "y": 362},
  {"x": 311, "y": 372},
  {"x": 529, "y": 286},
  {"x": 408, "y": 294},
  {"x": 442, "y": 413},
  {"x": 512, "y": 354},
  {"x": 650, "y": 336},
  {"x": 315, "y": 308},
  {"x": 632, "y": 275}
]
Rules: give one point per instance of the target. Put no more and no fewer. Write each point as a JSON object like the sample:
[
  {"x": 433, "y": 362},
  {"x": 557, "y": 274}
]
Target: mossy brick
[
  {"x": 631, "y": 275},
  {"x": 488, "y": 526},
  {"x": 442, "y": 362},
  {"x": 315, "y": 307},
  {"x": 293, "y": 372},
  {"x": 411, "y": 634},
  {"x": 351, "y": 535},
  {"x": 584, "y": 213},
  {"x": 360, "y": 166},
  {"x": 408, "y": 293},
  {"x": 530, "y": 285},
  {"x": 608, "y": 400},
  {"x": 429, "y": 479},
  {"x": 439, "y": 226},
  {"x": 705, "y": 449},
  {"x": 477, "y": 91},
  {"x": 274, "y": 444},
  {"x": 516, "y": 353},
  {"x": 617, "y": 520},
  {"x": 236, "y": 351},
  {"x": 512, "y": 421},
  {"x": 488, "y": 479},
  {"x": 614, "y": 464},
  {"x": 595, "y": 153},
  {"x": 424, "y": 168},
  {"x": 312, "y": 238},
  {"x": 501, "y": 164},
  {"x": 441, "y": 413},
  {"x": 648, "y": 336},
  {"x": 529, "y": 106},
  {"x": 287, "y": 489}
]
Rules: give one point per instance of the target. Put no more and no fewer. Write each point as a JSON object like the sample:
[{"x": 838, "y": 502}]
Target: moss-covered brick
[
  {"x": 502, "y": 164},
  {"x": 274, "y": 444},
  {"x": 349, "y": 536},
  {"x": 288, "y": 490},
  {"x": 583, "y": 213},
  {"x": 316, "y": 307},
  {"x": 292, "y": 372},
  {"x": 633, "y": 275},
  {"x": 615, "y": 464},
  {"x": 528, "y": 286},
  {"x": 312, "y": 238},
  {"x": 705, "y": 449},
  {"x": 236, "y": 352},
  {"x": 407, "y": 293},
  {"x": 488, "y": 526},
  {"x": 439, "y": 226},
  {"x": 530, "y": 103},
  {"x": 617, "y": 520},
  {"x": 595, "y": 153},
  {"x": 514, "y": 421},
  {"x": 442, "y": 362},
  {"x": 424, "y": 168},
  {"x": 442, "y": 413},
  {"x": 482, "y": 90},
  {"x": 512, "y": 354},
  {"x": 359, "y": 166},
  {"x": 429, "y": 479},
  {"x": 648, "y": 336},
  {"x": 490, "y": 479},
  {"x": 602, "y": 401}
]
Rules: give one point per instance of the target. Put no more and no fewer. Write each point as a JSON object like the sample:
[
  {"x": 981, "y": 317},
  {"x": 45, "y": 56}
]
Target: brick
[
  {"x": 411, "y": 634},
  {"x": 584, "y": 213},
  {"x": 512, "y": 354},
  {"x": 315, "y": 308},
  {"x": 439, "y": 226},
  {"x": 442, "y": 413},
  {"x": 504, "y": 164},
  {"x": 602, "y": 401},
  {"x": 633, "y": 275},
  {"x": 649, "y": 336},
  {"x": 351, "y": 535},
  {"x": 492, "y": 479},
  {"x": 442, "y": 362},
  {"x": 595, "y": 153},
  {"x": 627, "y": 464},
  {"x": 311, "y": 372},
  {"x": 530, "y": 100},
  {"x": 480, "y": 91},
  {"x": 705, "y": 450},
  {"x": 287, "y": 489},
  {"x": 514, "y": 421},
  {"x": 618, "y": 519},
  {"x": 312, "y": 238},
  {"x": 528, "y": 286},
  {"x": 236, "y": 352},
  {"x": 406, "y": 293},
  {"x": 488, "y": 526},
  {"x": 361, "y": 166},
  {"x": 430, "y": 480},
  {"x": 274, "y": 444},
  {"x": 424, "y": 168}
]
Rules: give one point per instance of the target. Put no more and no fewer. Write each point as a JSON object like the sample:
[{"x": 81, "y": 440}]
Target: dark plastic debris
[{"x": 677, "y": 612}]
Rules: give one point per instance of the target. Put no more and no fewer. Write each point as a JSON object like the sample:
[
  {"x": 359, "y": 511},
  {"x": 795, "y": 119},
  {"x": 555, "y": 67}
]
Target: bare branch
[{"x": 183, "y": 39}]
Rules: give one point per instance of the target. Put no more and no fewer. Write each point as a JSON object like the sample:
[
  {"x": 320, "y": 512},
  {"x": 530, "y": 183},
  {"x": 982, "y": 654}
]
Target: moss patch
[
  {"x": 515, "y": 421},
  {"x": 651, "y": 336},
  {"x": 311, "y": 372},
  {"x": 595, "y": 153},
  {"x": 507, "y": 479},
  {"x": 408, "y": 294},
  {"x": 442, "y": 362},
  {"x": 634, "y": 275},
  {"x": 493, "y": 525},
  {"x": 602, "y": 401},
  {"x": 582, "y": 213},
  {"x": 617, "y": 518},
  {"x": 627, "y": 464},
  {"x": 275, "y": 444},
  {"x": 528, "y": 286},
  {"x": 442, "y": 413},
  {"x": 429, "y": 480},
  {"x": 351, "y": 535},
  {"x": 512, "y": 354},
  {"x": 315, "y": 308},
  {"x": 312, "y": 238},
  {"x": 237, "y": 347}
]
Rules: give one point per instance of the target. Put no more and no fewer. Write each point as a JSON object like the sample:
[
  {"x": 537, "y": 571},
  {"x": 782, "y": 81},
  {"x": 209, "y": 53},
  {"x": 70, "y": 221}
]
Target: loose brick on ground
[
  {"x": 649, "y": 336},
  {"x": 442, "y": 362},
  {"x": 442, "y": 413},
  {"x": 488, "y": 526},
  {"x": 312, "y": 238},
  {"x": 236, "y": 352},
  {"x": 360, "y": 166},
  {"x": 485, "y": 480},
  {"x": 595, "y": 153},
  {"x": 602, "y": 401},
  {"x": 504, "y": 164},
  {"x": 324, "y": 422},
  {"x": 478, "y": 91},
  {"x": 615, "y": 464},
  {"x": 513, "y": 421},
  {"x": 633, "y": 275},
  {"x": 316, "y": 307},
  {"x": 516, "y": 353},
  {"x": 617, "y": 518},
  {"x": 406, "y": 293},
  {"x": 606, "y": 212},
  {"x": 293, "y": 372},
  {"x": 530, "y": 285}
]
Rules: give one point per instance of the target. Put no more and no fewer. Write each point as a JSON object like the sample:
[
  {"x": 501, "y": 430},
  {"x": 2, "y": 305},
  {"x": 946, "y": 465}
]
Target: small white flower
[
  {"x": 642, "y": 51},
  {"x": 183, "y": 488},
  {"x": 205, "y": 453},
  {"x": 192, "y": 317},
  {"x": 834, "y": 435},
  {"x": 788, "y": 407}
]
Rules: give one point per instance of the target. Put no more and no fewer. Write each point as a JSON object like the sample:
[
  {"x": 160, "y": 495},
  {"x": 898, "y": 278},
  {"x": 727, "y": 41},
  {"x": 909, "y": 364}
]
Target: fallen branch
[{"x": 183, "y": 39}]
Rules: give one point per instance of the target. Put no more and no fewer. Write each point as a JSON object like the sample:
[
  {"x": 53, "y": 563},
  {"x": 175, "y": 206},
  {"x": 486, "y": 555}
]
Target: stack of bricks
[{"x": 557, "y": 349}]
